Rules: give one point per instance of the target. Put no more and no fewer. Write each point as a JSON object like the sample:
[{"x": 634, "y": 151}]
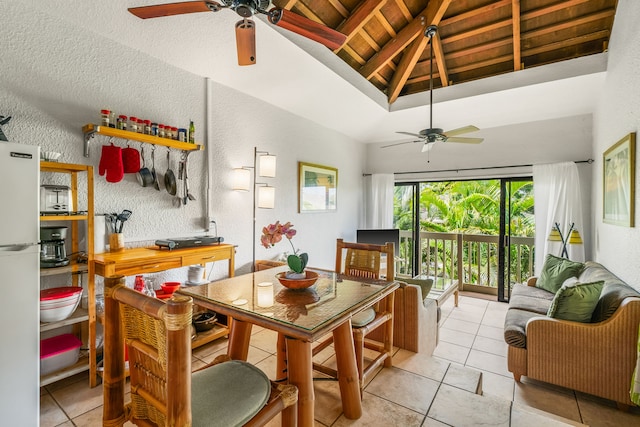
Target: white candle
[{"x": 265, "y": 294}]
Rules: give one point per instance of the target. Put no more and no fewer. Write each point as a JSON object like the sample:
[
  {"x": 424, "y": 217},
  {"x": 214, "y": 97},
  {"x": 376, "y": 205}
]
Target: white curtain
[
  {"x": 378, "y": 201},
  {"x": 557, "y": 200}
]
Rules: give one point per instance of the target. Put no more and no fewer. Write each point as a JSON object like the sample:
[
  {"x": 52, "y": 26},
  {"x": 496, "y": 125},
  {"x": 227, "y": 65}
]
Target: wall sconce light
[
  {"x": 266, "y": 197},
  {"x": 572, "y": 237},
  {"x": 267, "y": 166},
  {"x": 264, "y": 165},
  {"x": 241, "y": 179}
]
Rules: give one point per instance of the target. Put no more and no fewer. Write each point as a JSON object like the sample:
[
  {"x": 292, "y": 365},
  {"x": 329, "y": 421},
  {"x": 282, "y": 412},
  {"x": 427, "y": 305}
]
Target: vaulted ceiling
[{"x": 475, "y": 39}]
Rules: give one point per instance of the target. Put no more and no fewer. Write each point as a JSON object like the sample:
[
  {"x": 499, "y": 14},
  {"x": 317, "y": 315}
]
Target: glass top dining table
[
  {"x": 302, "y": 313},
  {"x": 300, "y": 317}
]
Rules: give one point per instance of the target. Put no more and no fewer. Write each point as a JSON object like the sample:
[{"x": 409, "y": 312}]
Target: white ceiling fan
[{"x": 432, "y": 135}]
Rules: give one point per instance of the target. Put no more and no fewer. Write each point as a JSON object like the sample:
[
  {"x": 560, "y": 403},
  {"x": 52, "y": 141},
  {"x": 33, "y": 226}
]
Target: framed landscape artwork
[
  {"x": 619, "y": 182},
  {"x": 318, "y": 188}
]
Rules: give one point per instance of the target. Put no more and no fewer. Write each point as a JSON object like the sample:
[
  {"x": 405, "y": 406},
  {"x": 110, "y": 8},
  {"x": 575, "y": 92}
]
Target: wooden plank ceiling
[{"x": 475, "y": 38}]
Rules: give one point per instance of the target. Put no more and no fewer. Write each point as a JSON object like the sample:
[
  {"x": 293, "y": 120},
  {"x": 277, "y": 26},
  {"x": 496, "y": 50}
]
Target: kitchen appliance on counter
[
  {"x": 52, "y": 249},
  {"x": 188, "y": 242},
  {"x": 55, "y": 199},
  {"x": 20, "y": 267}
]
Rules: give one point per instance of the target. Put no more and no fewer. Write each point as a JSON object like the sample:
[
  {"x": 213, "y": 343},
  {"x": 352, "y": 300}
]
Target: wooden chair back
[
  {"x": 364, "y": 259},
  {"x": 158, "y": 341}
]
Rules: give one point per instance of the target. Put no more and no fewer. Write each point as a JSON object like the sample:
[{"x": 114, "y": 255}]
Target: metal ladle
[{"x": 186, "y": 179}]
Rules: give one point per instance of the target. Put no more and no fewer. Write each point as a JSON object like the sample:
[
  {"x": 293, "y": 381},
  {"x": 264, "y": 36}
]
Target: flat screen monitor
[{"x": 380, "y": 237}]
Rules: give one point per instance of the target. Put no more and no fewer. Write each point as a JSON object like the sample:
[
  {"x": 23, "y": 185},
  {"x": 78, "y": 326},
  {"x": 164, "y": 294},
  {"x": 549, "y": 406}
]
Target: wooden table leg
[
  {"x": 281, "y": 358},
  {"x": 300, "y": 374},
  {"x": 347, "y": 371},
  {"x": 239, "y": 340}
]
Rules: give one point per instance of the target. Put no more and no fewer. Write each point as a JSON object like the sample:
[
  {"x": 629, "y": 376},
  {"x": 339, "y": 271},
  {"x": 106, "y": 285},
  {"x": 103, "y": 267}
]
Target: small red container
[
  {"x": 170, "y": 287},
  {"x": 58, "y": 352}
]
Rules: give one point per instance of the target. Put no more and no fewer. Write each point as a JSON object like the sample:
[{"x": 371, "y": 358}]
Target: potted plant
[{"x": 273, "y": 234}]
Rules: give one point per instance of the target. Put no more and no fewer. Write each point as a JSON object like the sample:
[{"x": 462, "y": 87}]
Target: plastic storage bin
[{"x": 58, "y": 352}]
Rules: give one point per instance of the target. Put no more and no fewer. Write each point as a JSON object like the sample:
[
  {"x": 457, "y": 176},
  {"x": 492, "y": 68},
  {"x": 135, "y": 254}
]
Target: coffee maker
[{"x": 52, "y": 250}]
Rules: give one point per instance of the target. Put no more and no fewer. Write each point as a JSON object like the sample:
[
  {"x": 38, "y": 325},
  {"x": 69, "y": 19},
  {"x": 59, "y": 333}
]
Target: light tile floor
[{"x": 430, "y": 391}]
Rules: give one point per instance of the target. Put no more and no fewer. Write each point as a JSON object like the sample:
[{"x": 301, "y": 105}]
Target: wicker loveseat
[{"x": 597, "y": 358}]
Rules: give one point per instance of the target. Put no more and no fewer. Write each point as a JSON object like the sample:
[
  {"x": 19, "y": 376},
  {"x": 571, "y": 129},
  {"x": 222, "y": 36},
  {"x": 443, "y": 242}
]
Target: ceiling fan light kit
[{"x": 245, "y": 29}]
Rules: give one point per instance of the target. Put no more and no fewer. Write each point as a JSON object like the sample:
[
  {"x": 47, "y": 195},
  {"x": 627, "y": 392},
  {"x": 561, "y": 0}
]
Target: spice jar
[
  {"x": 182, "y": 135},
  {"x": 154, "y": 129},
  {"x": 140, "y": 126},
  {"x": 174, "y": 131},
  {"x": 161, "y": 130},
  {"x": 105, "y": 116},
  {"x": 147, "y": 127},
  {"x": 122, "y": 122},
  {"x": 112, "y": 119},
  {"x": 167, "y": 132},
  {"x": 133, "y": 124}
]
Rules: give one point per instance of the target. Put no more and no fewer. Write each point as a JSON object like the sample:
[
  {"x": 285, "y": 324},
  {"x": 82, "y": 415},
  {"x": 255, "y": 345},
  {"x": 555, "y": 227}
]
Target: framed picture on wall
[
  {"x": 317, "y": 188},
  {"x": 619, "y": 182}
]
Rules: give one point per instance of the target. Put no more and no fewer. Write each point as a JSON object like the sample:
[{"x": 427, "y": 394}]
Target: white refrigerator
[{"x": 20, "y": 276}]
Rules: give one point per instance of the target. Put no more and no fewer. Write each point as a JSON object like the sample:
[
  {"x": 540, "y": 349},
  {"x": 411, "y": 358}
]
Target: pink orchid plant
[{"x": 273, "y": 233}]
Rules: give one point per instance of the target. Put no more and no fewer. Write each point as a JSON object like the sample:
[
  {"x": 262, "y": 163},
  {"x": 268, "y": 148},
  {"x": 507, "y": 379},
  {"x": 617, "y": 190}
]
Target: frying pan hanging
[{"x": 169, "y": 177}]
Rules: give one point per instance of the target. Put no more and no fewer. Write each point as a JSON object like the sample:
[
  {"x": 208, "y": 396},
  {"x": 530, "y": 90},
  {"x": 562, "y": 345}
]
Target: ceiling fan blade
[
  {"x": 170, "y": 9},
  {"x": 306, "y": 27},
  {"x": 412, "y": 134},
  {"x": 460, "y": 131},
  {"x": 399, "y": 143},
  {"x": 246, "y": 41},
  {"x": 427, "y": 146},
  {"x": 465, "y": 140}
]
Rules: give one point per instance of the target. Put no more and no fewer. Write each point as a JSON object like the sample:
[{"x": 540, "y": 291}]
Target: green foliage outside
[{"x": 466, "y": 207}]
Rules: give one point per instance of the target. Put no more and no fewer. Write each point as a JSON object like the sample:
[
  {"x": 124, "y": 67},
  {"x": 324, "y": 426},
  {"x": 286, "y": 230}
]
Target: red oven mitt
[
  {"x": 130, "y": 160},
  {"x": 111, "y": 163}
]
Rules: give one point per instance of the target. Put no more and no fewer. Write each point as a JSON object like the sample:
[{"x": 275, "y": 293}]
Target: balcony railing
[{"x": 472, "y": 259}]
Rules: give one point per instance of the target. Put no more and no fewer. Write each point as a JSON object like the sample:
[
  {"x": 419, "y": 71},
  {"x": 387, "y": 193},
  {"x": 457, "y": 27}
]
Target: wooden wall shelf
[{"x": 90, "y": 130}]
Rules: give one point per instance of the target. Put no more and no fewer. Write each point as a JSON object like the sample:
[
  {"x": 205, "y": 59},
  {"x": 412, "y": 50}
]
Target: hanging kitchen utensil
[
  {"x": 156, "y": 185},
  {"x": 186, "y": 177},
  {"x": 130, "y": 160},
  {"x": 123, "y": 217},
  {"x": 169, "y": 177},
  {"x": 144, "y": 174}
]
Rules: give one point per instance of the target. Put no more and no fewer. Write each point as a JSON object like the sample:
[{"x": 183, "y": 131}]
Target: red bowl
[{"x": 170, "y": 287}]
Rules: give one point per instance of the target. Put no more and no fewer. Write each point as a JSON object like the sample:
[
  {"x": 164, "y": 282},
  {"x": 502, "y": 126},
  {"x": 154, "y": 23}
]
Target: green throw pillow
[
  {"x": 555, "y": 271},
  {"x": 576, "y": 301}
]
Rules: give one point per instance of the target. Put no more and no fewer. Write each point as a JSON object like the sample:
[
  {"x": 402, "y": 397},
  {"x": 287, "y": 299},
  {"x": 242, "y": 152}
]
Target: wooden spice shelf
[{"x": 90, "y": 130}]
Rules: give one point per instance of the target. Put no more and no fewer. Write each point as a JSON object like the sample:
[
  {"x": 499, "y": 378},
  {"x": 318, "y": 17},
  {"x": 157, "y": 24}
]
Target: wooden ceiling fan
[
  {"x": 245, "y": 28},
  {"x": 431, "y": 135}
]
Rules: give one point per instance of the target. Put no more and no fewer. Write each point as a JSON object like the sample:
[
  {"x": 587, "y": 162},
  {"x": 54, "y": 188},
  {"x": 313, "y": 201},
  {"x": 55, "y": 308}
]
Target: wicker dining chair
[
  {"x": 363, "y": 260},
  {"x": 164, "y": 392}
]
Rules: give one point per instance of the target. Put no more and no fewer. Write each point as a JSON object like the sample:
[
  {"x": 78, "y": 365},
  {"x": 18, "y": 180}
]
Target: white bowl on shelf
[{"x": 57, "y": 304}]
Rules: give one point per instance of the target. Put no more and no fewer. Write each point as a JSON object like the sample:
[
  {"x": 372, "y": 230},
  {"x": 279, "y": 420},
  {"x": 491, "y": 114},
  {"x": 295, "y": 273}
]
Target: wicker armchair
[
  {"x": 363, "y": 260},
  {"x": 164, "y": 392}
]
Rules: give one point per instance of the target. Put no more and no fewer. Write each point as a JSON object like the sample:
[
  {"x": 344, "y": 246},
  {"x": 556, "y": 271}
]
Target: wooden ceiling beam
[
  {"x": 570, "y": 24},
  {"x": 438, "y": 54},
  {"x": 409, "y": 60},
  {"x": 515, "y": 17},
  {"x": 477, "y": 31},
  {"x": 431, "y": 15},
  {"x": 566, "y": 43},
  {"x": 289, "y": 4},
  {"x": 385, "y": 24},
  {"x": 479, "y": 48},
  {"x": 404, "y": 9},
  {"x": 360, "y": 16},
  {"x": 551, "y": 9},
  {"x": 340, "y": 8},
  {"x": 485, "y": 10}
]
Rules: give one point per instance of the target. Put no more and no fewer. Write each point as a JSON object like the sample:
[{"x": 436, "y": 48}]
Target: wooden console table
[{"x": 130, "y": 262}]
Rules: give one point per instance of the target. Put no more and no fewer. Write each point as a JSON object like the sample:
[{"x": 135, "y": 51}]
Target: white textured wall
[
  {"x": 617, "y": 115},
  {"x": 55, "y": 78}
]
